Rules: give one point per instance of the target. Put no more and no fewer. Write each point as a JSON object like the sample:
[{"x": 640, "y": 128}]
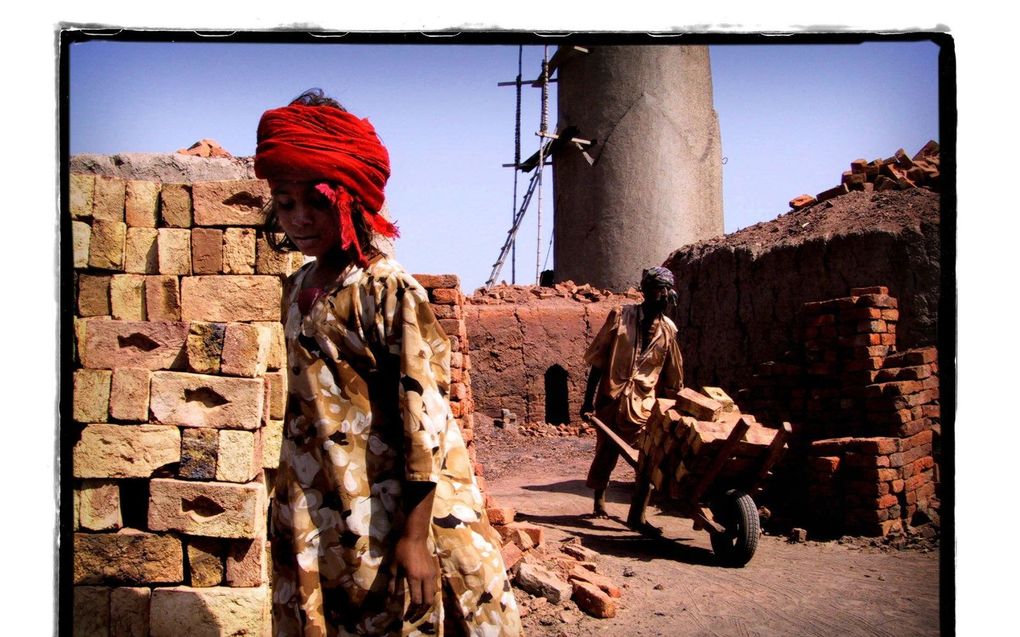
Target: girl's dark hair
[
  {"x": 316, "y": 97},
  {"x": 280, "y": 242}
]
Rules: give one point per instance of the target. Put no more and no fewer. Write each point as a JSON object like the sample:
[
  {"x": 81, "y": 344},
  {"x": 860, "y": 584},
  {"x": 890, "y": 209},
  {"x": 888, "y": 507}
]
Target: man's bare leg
[
  {"x": 600, "y": 504},
  {"x": 638, "y": 505}
]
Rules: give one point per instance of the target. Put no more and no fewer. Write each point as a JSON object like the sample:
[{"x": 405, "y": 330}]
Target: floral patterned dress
[{"x": 368, "y": 410}]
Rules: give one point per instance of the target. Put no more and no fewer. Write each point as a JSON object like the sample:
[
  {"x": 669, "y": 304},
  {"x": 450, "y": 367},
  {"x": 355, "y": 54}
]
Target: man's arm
[{"x": 594, "y": 376}]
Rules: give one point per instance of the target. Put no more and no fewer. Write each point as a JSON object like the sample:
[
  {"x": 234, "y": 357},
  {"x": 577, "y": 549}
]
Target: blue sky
[{"x": 792, "y": 118}]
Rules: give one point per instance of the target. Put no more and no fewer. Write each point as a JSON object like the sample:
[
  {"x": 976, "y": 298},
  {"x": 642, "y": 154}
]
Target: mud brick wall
[
  {"x": 866, "y": 417},
  {"x": 179, "y": 390},
  {"x": 528, "y": 344},
  {"x": 738, "y": 295}
]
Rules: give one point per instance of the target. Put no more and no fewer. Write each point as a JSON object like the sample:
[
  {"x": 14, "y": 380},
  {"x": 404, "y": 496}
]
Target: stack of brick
[
  {"x": 448, "y": 306},
  {"x": 178, "y": 402},
  {"x": 898, "y": 172},
  {"x": 867, "y": 416},
  {"x": 179, "y": 395},
  {"x": 683, "y": 436}
]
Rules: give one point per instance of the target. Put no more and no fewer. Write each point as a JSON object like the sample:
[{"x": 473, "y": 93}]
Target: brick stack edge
[
  {"x": 866, "y": 415},
  {"x": 179, "y": 392}
]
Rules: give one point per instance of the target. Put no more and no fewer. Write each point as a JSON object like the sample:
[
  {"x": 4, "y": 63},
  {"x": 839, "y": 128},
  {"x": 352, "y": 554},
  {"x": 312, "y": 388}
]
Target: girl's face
[{"x": 307, "y": 217}]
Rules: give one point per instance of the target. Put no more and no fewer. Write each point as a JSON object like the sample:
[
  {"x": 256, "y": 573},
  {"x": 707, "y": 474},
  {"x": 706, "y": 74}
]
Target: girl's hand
[
  {"x": 418, "y": 566},
  {"x": 415, "y": 562}
]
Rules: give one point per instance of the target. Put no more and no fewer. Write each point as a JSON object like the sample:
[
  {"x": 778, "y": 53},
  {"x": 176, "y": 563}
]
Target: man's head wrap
[
  {"x": 657, "y": 275},
  {"x": 331, "y": 146}
]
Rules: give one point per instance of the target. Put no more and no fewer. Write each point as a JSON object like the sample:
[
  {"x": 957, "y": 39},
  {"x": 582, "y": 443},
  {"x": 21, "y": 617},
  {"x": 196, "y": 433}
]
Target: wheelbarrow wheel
[{"x": 736, "y": 512}]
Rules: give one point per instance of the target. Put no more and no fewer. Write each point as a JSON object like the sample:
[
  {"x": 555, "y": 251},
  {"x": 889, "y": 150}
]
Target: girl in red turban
[{"x": 378, "y": 525}]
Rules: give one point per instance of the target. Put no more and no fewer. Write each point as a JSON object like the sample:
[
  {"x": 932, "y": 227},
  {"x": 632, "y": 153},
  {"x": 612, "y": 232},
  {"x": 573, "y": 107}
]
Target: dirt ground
[{"x": 671, "y": 585}]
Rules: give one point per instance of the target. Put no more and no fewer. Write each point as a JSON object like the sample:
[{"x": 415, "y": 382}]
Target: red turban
[{"x": 325, "y": 144}]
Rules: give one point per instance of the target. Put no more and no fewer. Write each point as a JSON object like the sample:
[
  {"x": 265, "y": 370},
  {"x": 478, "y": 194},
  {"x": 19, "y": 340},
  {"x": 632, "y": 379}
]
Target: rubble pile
[
  {"x": 899, "y": 172},
  {"x": 684, "y": 435},
  {"x": 868, "y": 417},
  {"x": 550, "y": 577}
]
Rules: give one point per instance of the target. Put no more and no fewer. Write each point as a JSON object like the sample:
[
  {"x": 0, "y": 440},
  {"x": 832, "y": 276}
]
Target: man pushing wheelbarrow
[{"x": 634, "y": 359}]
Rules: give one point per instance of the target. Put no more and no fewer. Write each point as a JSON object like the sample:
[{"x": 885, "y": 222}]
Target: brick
[
  {"x": 917, "y": 480},
  {"x": 205, "y": 562},
  {"x": 125, "y": 451},
  {"x": 108, "y": 199},
  {"x": 99, "y": 505},
  {"x": 458, "y": 391},
  {"x": 913, "y": 427},
  {"x": 447, "y": 311},
  {"x": 881, "y": 301},
  {"x": 141, "y": 254},
  {"x": 886, "y": 501},
  {"x": 593, "y": 601},
  {"x": 210, "y": 509},
  {"x": 199, "y": 451},
  {"x": 890, "y": 315},
  {"x": 453, "y": 327},
  {"x": 106, "y": 245},
  {"x": 862, "y": 314},
  {"x": 891, "y": 526},
  {"x": 205, "y": 346},
  {"x": 277, "y": 382},
  {"x": 129, "y": 611},
  {"x": 896, "y": 486},
  {"x": 832, "y": 192},
  {"x": 276, "y": 358},
  {"x": 239, "y": 251},
  {"x": 445, "y": 296},
  {"x": 206, "y": 251},
  {"x": 141, "y": 203},
  {"x": 887, "y": 339},
  {"x": 920, "y": 438},
  {"x": 199, "y": 400},
  {"x": 602, "y": 582},
  {"x": 875, "y": 289},
  {"x": 127, "y": 297},
  {"x": 181, "y": 610},
  {"x": 512, "y": 555},
  {"x": 239, "y": 202},
  {"x": 897, "y": 460},
  {"x": 269, "y": 261},
  {"x": 93, "y": 295},
  {"x": 239, "y": 458},
  {"x": 150, "y": 345},
  {"x": 272, "y": 441},
  {"x": 127, "y": 557},
  {"x": 229, "y": 298},
  {"x": 872, "y": 446},
  {"x": 162, "y": 298},
  {"x": 867, "y": 488},
  {"x": 81, "y": 192},
  {"x": 90, "y": 611},
  {"x": 432, "y": 281},
  {"x": 541, "y": 582},
  {"x": 246, "y": 563},
  {"x": 802, "y": 201},
  {"x": 536, "y": 533},
  {"x": 500, "y": 515},
  {"x": 174, "y": 248},
  {"x": 175, "y": 205},
  {"x": 824, "y": 464},
  {"x": 245, "y": 350},
  {"x": 91, "y": 400},
  {"x": 81, "y": 233}
]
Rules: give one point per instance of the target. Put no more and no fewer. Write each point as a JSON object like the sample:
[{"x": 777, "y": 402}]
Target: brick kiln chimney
[{"x": 656, "y": 181}]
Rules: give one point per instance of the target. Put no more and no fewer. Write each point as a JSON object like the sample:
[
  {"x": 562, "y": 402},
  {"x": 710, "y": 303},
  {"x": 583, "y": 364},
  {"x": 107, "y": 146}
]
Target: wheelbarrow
[{"x": 714, "y": 483}]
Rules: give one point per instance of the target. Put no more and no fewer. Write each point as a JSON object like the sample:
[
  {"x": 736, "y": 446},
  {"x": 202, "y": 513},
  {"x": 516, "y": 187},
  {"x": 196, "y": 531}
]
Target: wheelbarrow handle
[{"x": 630, "y": 454}]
